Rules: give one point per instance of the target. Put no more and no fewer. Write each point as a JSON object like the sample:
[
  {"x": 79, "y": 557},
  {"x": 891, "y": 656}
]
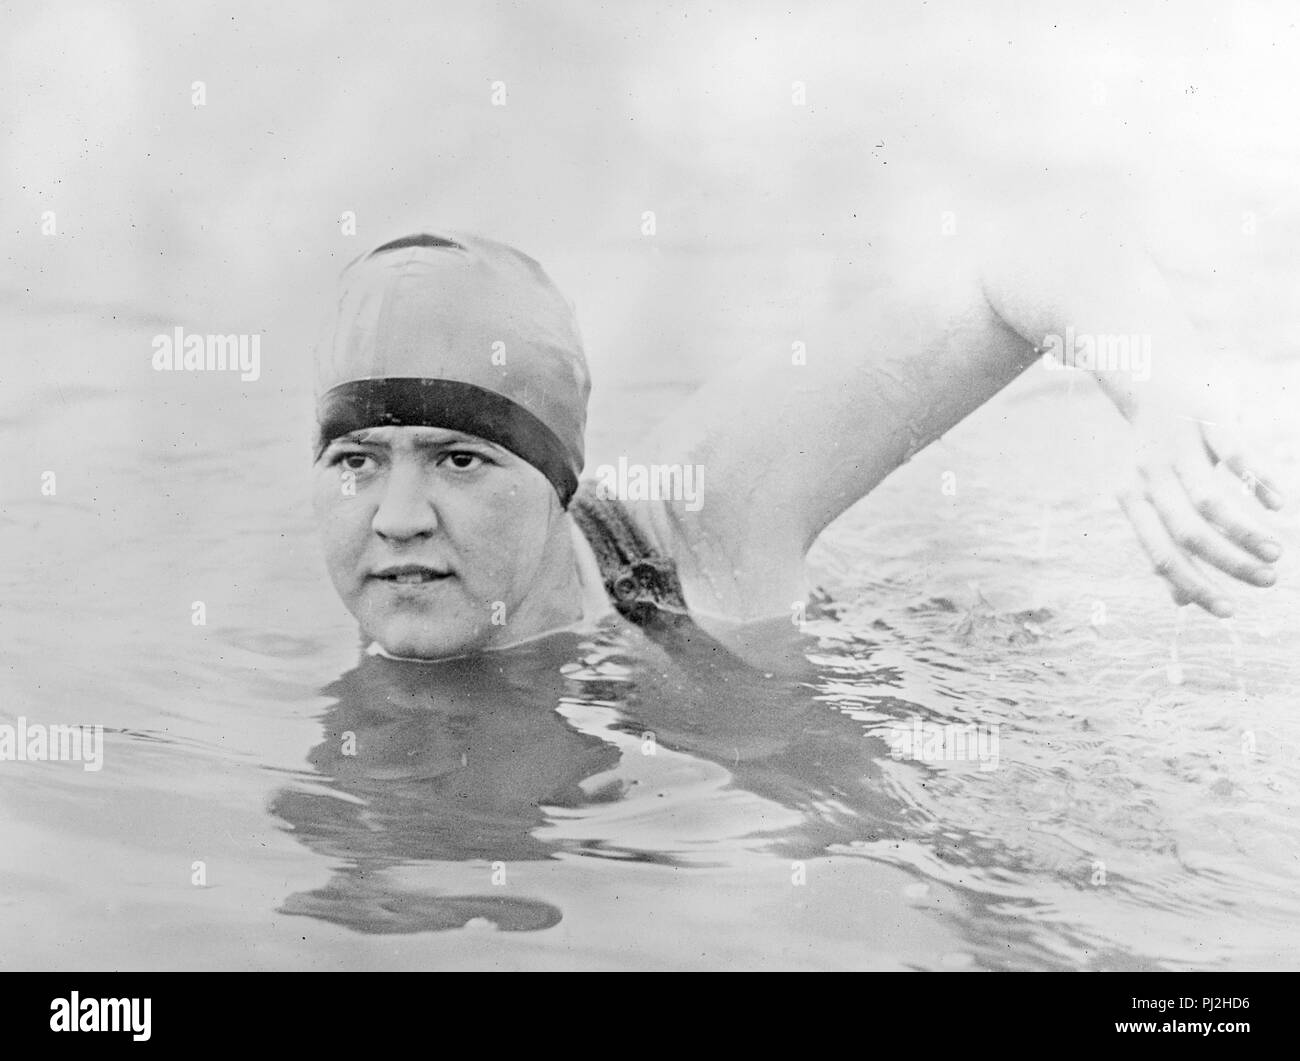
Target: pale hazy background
[
  {"x": 228, "y": 214},
  {"x": 174, "y": 488}
]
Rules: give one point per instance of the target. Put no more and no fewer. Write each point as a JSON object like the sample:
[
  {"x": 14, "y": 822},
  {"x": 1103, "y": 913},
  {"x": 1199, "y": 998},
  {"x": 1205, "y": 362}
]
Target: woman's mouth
[{"x": 410, "y": 574}]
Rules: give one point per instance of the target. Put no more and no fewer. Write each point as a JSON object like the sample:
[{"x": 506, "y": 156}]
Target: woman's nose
[{"x": 406, "y": 509}]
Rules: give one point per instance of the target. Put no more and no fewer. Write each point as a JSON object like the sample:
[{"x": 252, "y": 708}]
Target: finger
[
  {"x": 1224, "y": 444},
  {"x": 1195, "y": 537},
  {"x": 1185, "y": 583},
  {"x": 1214, "y": 503}
]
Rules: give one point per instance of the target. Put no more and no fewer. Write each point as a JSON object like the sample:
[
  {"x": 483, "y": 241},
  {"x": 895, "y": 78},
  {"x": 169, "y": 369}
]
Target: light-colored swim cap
[{"x": 460, "y": 332}]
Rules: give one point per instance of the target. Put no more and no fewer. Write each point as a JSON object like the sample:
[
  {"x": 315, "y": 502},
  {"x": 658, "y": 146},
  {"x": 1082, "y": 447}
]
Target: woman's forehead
[{"x": 411, "y": 435}]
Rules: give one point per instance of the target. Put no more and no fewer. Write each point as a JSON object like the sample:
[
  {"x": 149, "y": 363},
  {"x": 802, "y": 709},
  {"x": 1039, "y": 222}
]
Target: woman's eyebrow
[
  {"x": 425, "y": 442},
  {"x": 421, "y": 443},
  {"x": 363, "y": 437}
]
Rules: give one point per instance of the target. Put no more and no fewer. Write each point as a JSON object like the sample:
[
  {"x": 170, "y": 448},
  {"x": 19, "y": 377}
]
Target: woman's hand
[{"x": 1185, "y": 512}]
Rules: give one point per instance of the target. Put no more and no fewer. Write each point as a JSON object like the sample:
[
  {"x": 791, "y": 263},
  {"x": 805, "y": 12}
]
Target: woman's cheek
[
  {"x": 327, "y": 493},
  {"x": 504, "y": 547},
  {"x": 342, "y": 538}
]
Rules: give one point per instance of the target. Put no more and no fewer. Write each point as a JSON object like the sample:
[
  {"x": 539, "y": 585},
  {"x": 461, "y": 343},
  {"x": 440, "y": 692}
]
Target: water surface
[{"x": 519, "y": 814}]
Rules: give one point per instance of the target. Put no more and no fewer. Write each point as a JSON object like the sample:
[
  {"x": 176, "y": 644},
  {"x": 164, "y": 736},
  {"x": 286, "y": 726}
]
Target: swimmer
[{"x": 452, "y": 404}]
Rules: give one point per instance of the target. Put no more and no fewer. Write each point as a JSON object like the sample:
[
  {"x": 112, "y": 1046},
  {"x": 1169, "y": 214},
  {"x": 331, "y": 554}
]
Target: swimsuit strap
[{"x": 641, "y": 582}]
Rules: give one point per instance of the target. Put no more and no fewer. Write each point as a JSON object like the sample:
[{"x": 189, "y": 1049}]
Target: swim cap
[{"x": 462, "y": 333}]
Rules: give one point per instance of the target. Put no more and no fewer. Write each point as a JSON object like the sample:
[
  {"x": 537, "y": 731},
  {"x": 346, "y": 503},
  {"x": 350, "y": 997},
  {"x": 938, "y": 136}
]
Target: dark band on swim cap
[{"x": 410, "y": 402}]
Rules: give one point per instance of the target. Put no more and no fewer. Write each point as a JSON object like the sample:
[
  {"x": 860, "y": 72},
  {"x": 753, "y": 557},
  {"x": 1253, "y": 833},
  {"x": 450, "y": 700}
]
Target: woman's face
[{"x": 440, "y": 543}]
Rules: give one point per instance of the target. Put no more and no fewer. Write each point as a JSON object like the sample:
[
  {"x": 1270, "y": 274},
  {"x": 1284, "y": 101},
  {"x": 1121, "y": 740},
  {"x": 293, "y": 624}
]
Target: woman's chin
[{"x": 423, "y": 643}]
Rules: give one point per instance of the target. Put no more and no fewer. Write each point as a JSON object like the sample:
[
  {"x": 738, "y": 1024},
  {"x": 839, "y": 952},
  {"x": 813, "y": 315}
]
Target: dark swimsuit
[{"x": 641, "y": 582}]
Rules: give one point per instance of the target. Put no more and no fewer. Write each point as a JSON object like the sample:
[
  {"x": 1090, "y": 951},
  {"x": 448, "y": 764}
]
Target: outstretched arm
[{"x": 786, "y": 443}]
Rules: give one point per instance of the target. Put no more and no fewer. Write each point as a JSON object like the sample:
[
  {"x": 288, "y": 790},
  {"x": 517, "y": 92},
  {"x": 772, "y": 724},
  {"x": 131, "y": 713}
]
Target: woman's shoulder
[{"x": 656, "y": 560}]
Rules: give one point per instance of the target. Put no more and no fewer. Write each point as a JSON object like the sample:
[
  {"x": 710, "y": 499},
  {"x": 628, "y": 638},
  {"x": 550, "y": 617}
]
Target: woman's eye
[
  {"x": 353, "y": 462},
  {"x": 464, "y": 461}
]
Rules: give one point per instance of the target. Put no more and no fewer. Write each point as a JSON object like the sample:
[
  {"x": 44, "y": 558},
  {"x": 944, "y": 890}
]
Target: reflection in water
[
  {"x": 450, "y": 761},
  {"x": 455, "y": 761}
]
